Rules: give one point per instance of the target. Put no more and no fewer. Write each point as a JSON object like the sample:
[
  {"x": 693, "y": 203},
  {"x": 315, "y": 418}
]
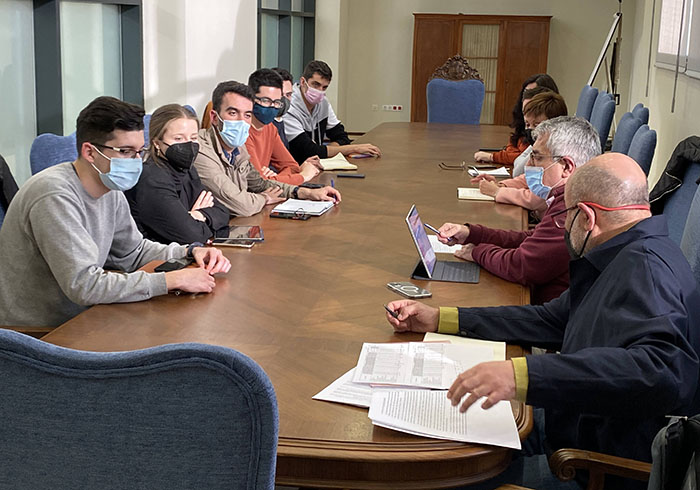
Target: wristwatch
[
  {"x": 191, "y": 247},
  {"x": 295, "y": 192}
]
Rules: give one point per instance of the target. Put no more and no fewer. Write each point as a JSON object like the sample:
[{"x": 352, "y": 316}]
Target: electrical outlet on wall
[{"x": 392, "y": 107}]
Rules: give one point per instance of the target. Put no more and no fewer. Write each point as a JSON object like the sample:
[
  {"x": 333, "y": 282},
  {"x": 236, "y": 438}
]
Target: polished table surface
[{"x": 302, "y": 303}]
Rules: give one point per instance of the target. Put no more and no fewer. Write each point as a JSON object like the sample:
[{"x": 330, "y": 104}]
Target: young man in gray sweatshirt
[{"x": 70, "y": 222}]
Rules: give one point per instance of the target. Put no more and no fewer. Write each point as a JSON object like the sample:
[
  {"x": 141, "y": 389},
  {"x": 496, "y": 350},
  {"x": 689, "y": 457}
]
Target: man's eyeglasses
[
  {"x": 124, "y": 152},
  {"x": 268, "y": 102},
  {"x": 559, "y": 218},
  {"x": 538, "y": 159}
]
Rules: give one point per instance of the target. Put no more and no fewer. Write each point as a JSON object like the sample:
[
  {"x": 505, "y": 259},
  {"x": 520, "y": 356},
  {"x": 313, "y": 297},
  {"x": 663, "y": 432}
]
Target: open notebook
[
  {"x": 338, "y": 162},
  {"x": 473, "y": 194}
]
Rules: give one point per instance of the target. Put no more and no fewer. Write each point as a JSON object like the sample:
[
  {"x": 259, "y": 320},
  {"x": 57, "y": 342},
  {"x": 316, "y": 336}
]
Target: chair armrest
[
  {"x": 565, "y": 462},
  {"x": 36, "y": 332}
]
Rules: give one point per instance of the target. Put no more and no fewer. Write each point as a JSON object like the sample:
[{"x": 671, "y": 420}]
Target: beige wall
[
  {"x": 379, "y": 48},
  {"x": 191, "y": 46},
  {"x": 670, "y": 128}
]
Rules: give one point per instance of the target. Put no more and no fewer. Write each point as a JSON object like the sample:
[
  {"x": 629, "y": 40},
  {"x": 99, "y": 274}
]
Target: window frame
[
  {"x": 47, "y": 58},
  {"x": 667, "y": 61},
  {"x": 284, "y": 15}
]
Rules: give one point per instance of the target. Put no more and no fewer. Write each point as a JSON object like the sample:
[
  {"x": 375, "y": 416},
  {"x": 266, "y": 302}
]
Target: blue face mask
[
  {"x": 123, "y": 173},
  {"x": 533, "y": 176},
  {"x": 234, "y": 133},
  {"x": 264, "y": 114}
]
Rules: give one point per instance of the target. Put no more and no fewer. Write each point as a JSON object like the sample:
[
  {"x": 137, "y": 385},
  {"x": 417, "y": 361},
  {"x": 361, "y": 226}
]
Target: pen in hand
[
  {"x": 395, "y": 314},
  {"x": 437, "y": 232}
]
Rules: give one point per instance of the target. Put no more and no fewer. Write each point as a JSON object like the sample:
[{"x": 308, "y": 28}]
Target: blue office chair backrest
[
  {"x": 602, "y": 116},
  {"x": 641, "y": 112},
  {"x": 455, "y": 101},
  {"x": 642, "y": 147},
  {"x": 174, "y": 416},
  {"x": 146, "y": 126},
  {"x": 677, "y": 206},
  {"x": 50, "y": 149},
  {"x": 586, "y": 101},
  {"x": 690, "y": 241},
  {"x": 626, "y": 128}
]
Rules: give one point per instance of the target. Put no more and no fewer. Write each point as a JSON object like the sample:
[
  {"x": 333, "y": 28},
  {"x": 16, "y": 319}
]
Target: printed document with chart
[{"x": 420, "y": 364}]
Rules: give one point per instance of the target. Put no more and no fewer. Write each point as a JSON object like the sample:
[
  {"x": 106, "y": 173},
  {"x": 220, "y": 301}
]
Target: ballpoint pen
[
  {"x": 436, "y": 231},
  {"x": 395, "y": 314}
]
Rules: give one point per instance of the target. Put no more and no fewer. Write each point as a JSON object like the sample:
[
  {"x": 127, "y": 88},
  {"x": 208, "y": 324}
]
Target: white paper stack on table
[
  {"x": 312, "y": 208},
  {"x": 473, "y": 194},
  {"x": 499, "y": 172},
  {"x": 441, "y": 248},
  {"x": 337, "y": 162},
  {"x": 403, "y": 385}
]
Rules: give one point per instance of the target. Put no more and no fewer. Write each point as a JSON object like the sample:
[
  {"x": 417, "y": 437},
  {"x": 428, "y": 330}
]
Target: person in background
[
  {"x": 223, "y": 162},
  {"x": 267, "y": 152},
  {"x": 517, "y": 142},
  {"x": 311, "y": 119},
  {"x": 287, "y": 84},
  {"x": 68, "y": 240},
  {"x": 169, "y": 203},
  {"x": 536, "y": 258},
  {"x": 546, "y": 105},
  {"x": 626, "y": 333}
]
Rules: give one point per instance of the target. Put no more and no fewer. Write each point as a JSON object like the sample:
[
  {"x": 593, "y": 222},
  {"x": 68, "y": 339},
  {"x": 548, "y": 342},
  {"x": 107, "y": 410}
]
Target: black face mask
[
  {"x": 181, "y": 155},
  {"x": 285, "y": 107},
  {"x": 575, "y": 255},
  {"x": 528, "y": 137}
]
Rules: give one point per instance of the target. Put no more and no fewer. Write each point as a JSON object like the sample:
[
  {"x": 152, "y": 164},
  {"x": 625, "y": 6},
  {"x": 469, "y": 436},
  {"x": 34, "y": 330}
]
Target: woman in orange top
[{"x": 517, "y": 142}]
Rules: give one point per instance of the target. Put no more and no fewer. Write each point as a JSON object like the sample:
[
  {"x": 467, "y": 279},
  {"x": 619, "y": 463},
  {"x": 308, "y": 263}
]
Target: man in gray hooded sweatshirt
[{"x": 311, "y": 118}]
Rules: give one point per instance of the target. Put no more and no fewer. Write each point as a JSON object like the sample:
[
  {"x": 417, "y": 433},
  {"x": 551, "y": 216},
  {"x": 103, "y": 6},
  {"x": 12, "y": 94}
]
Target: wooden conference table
[{"x": 302, "y": 303}]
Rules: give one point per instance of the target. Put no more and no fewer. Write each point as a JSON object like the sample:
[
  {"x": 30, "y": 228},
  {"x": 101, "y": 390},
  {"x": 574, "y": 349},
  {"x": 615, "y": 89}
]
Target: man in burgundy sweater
[{"x": 537, "y": 258}]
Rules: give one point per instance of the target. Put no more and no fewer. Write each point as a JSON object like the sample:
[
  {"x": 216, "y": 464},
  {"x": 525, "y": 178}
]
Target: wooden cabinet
[{"x": 505, "y": 49}]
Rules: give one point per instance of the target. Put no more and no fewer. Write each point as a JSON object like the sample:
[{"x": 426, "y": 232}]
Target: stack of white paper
[
  {"x": 431, "y": 414},
  {"x": 313, "y": 208},
  {"x": 441, "y": 248},
  {"x": 473, "y": 194},
  {"x": 420, "y": 364},
  {"x": 337, "y": 162},
  {"x": 499, "y": 172},
  {"x": 391, "y": 380}
]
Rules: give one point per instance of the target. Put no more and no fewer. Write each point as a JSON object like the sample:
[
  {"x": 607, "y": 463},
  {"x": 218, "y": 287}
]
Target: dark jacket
[
  {"x": 161, "y": 201},
  {"x": 280, "y": 130},
  {"x": 629, "y": 334},
  {"x": 8, "y": 184},
  {"x": 686, "y": 153}
]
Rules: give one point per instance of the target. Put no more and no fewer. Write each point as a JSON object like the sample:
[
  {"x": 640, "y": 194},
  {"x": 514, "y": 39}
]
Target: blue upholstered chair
[
  {"x": 690, "y": 241},
  {"x": 602, "y": 115},
  {"x": 677, "y": 206},
  {"x": 50, "y": 149},
  {"x": 455, "y": 101},
  {"x": 146, "y": 126},
  {"x": 174, "y": 416},
  {"x": 641, "y": 112},
  {"x": 626, "y": 129},
  {"x": 586, "y": 101},
  {"x": 642, "y": 147}
]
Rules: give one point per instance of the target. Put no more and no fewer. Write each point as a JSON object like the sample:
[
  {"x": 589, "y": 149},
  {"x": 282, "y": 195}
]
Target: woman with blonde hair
[{"x": 169, "y": 203}]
